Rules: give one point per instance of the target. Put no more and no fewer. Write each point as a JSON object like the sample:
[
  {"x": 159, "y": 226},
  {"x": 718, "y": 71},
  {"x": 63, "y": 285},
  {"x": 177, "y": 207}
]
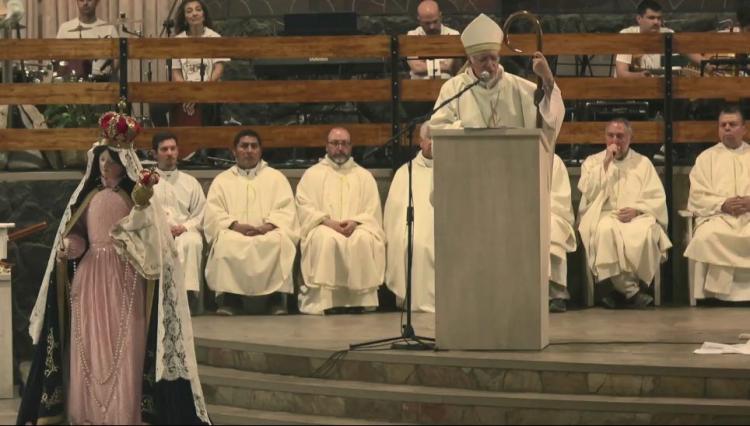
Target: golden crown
[{"x": 118, "y": 130}]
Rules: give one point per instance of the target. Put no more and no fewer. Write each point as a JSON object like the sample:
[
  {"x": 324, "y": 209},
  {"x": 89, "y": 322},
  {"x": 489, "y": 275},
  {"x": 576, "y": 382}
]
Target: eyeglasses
[{"x": 339, "y": 144}]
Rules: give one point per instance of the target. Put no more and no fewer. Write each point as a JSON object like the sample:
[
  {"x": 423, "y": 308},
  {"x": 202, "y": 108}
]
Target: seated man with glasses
[{"x": 342, "y": 237}]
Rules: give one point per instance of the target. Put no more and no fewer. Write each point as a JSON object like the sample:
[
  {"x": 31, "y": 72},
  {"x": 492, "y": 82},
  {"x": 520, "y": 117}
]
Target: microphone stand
[
  {"x": 138, "y": 34},
  {"x": 409, "y": 339},
  {"x": 166, "y": 27},
  {"x": 17, "y": 27},
  {"x": 394, "y": 140}
]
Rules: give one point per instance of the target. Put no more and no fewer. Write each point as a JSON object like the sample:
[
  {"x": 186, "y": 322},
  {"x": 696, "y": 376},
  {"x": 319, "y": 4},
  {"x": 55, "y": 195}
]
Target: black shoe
[
  {"x": 640, "y": 300},
  {"x": 278, "y": 309},
  {"x": 194, "y": 303},
  {"x": 558, "y": 306},
  {"x": 609, "y": 301},
  {"x": 227, "y": 311},
  {"x": 224, "y": 306}
]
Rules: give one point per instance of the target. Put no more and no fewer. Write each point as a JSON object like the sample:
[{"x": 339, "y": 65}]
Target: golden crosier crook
[
  {"x": 539, "y": 92},
  {"x": 534, "y": 20}
]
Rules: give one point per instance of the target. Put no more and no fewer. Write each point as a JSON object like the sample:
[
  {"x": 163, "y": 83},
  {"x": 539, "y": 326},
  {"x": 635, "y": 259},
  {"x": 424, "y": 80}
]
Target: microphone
[{"x": 484, "y": 77}]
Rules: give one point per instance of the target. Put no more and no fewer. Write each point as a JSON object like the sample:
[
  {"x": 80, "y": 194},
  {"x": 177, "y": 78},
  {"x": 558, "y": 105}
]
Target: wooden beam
[
  {"x": 572, "y": 88},
  {"x": 599, "y": 44},
  {"x": 47, "y": 139},
  {"x": 605, "y": 88},
  {"x": 592, "y": 132},
  {"x": 313, "y": 91},
  {"x": 193, "y": 138},
  {"x": 712, "y": 88},
  {"x": 306, "y": 136},
  {"x": 303, "y": 136},
  {"x": 253, "y": 92},
  {"x": 331, "y": 47},
  {"x": 58, "y": 93},
  {"x": 431, "y": 47},
  {"x": 554, "y": 44},
  {"x": 651, "y": 132},
  {"x": 420, "y": 90},
  {"x": 343, "y": 47},
  {"x": 58, "y": 49},
  {"x": 711, "y": 42}
]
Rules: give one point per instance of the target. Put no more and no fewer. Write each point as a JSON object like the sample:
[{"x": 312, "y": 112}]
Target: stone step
[
  {"x": 421, "y": 404},
  {"x": 592, "y": 373},
  {"x": 222, "y": 414},
  {"x": 8, "y": 411}
]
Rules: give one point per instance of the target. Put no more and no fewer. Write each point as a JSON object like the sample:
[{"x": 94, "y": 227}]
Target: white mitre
[{"x": 482, "y": 35}]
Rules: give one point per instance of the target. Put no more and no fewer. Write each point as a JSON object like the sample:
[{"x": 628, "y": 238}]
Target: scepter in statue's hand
[{"x": 144, "y": 188}]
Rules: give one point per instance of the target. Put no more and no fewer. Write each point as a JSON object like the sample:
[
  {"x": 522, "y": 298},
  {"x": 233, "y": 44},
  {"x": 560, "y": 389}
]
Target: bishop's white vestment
[
  {"x": 509, "y": 103},
  {"x": 182, "y": 199},
  {"x": 721, "y": 244},
  {"x": 251, "y": 265},
  {"x": 612, "y": 247},
  {"x": 340, "y": 271},
  {"x": 394, "y": 222}
]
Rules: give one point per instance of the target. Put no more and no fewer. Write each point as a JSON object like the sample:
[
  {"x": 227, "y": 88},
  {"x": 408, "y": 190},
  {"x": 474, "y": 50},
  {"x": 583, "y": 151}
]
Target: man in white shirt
[
  {"x": 182, "y": 198},
  {"x": 650, "y": 20},
  {"x": 720, "y": 199},
  {"x": 430, "y": 24},
  {"x": 88, "y": 25}
]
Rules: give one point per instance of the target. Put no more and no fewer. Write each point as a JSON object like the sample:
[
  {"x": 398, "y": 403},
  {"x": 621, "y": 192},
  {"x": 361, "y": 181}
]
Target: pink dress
[{"x": 108, "y": 321}]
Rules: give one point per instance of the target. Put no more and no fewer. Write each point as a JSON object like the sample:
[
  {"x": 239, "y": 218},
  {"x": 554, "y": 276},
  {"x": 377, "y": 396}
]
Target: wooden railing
[{"x": 333, "y": 91}]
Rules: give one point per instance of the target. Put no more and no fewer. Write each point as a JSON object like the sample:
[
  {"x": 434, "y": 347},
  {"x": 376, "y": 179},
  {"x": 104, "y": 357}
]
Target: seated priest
[
  {"x": 720, "y": 199},
  {"x": 562, "y": 236},
  {"x": 623, "y": 217},
  {"x": 251, "y": 225},
  {"x": 394, "y": 222},
  {"x": 183, "y": 201},
  {"x": 343, "y": 243}
]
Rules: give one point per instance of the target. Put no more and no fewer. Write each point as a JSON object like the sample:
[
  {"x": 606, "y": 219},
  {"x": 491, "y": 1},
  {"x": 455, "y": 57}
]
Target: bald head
[
  {"x": 339, "y": 133},
  {"x": 429, "y": 17}
]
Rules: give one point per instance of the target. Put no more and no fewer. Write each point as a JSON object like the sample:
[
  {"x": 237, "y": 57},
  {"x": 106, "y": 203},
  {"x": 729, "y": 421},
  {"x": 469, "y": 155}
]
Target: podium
[
  {"x": 6, "y": 329},
  {"x": 492, "y": 224}
]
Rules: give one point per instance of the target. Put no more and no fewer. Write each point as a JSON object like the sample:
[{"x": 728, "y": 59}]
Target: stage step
[
  {"x": 672, "y": 371},
  {"x": 226, "y": 415},
  {"x": 8, "y": 411},
  {"x": 422, "y": 404}
]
